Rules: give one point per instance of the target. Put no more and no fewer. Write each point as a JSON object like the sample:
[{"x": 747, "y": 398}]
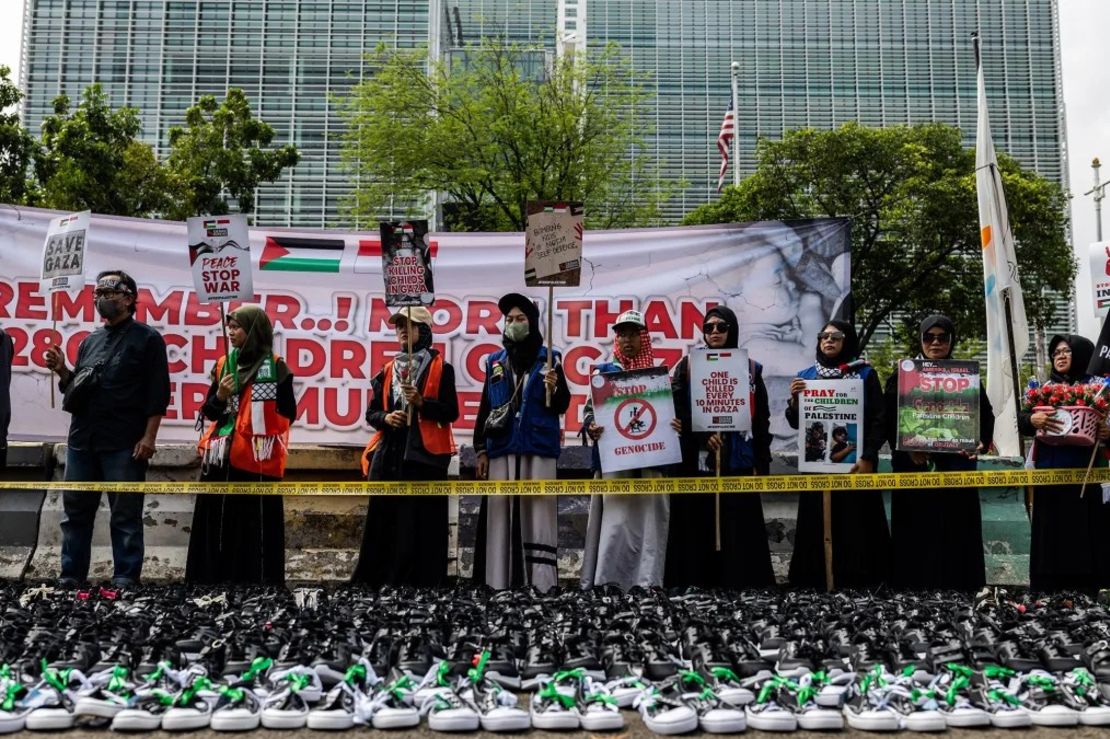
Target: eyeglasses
[
  {"x": 108, "y": 293},
  {"x": 716, "y": 327},
  {"x": 942, "y": 338},
  {"x": 1061, "y": 353},
  {"x": 831, "y": 336}
]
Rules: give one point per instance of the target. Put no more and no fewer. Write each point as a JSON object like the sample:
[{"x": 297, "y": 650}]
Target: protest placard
[
  {"x": 553, "y": 244},
  {"x": 63, "y": 252},
  {"x": 830, "y": 425},
  {"x": 938, "y": 405},
  {"x": 720, "y": 390},
  {"x": 220, "y": 257},
  {"x": 636, "y": 409},
  {"x": 407, "y": 264}
]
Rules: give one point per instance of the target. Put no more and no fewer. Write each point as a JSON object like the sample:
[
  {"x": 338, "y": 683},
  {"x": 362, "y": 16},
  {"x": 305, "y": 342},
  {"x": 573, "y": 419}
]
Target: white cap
[{"x": 634, "y": 317}]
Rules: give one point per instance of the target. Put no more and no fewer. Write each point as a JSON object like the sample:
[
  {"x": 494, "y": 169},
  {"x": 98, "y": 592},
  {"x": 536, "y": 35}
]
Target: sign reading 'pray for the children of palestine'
[
  {"x": 830, "y": 425},
  {"x": 720, "y": 390},
  {"x": 63, "y": 253},
  {"x": 636, "y": 409},
  {"x": 407, "y": 264},
  {"x": 220, "y": 257},
  {"x": 553, "y": 244},
  {"x": 938, "y": 405}
]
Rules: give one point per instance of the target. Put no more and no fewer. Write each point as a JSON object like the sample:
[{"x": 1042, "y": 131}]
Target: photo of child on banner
[
  {"x": 938, "y": 405},
  {"x": 63, "y": 261},
  {"x": 830, "y": 425}
]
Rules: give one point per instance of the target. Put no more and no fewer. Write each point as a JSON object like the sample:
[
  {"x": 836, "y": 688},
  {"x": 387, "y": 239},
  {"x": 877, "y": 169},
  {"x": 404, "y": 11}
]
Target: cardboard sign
[
  {"x": 407, "y": 263},
  {"x": 938, "y": 405},
  {"x": 720, "y": 390},
  {"x": 636, "y": 409},
  {"x": 553, "y": 244},
  {"x": 1099, "y": 255},
  {"x": 830, "y": 425},
  {"x": 220, "y": 257},
  {"x": 63, "y": 252}
]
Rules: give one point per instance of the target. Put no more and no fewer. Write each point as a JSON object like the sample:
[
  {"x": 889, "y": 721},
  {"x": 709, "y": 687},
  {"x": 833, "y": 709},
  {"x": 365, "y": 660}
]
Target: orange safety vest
[
  {"x": 243, "y": 455},
  {"x": 437, "y": 437}
]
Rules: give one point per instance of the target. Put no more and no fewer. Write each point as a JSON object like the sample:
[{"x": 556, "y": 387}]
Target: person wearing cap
[
  {"x": 250, "y": 404},
  {"x": 860, "y": 537},
  {"x": 626, "y": 535},
  {"x": 744, "y": 557},
  {"x": 412, "y": 406},
  {"x": 113, "y": 427},
  {"x": 517, "y": 543},
  {"x": 927, "y": 555}
]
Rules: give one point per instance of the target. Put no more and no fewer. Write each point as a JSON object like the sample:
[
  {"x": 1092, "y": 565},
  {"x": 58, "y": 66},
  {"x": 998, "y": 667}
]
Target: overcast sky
[{"x": 1083, "y": 28}]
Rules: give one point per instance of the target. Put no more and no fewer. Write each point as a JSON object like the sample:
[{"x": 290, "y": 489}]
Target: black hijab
[
  {"x": 726, "y": 315},
  {"x": 1081, "y": 352},
  {"x": 522, "y": 354},
  {"x": 848, "y": 351},
  {"x": 938, "y": 320}
]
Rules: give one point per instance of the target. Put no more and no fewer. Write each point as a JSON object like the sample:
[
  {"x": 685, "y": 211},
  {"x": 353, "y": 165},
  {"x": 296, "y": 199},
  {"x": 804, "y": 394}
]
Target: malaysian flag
[{"x": 724, "y": 143}]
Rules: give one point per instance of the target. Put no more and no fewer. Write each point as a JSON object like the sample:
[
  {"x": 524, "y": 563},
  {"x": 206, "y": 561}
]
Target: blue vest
[
  {"x": 536, "y": 430},
  {"x": 741, "y": 446},
  {"x": 810, "y": 373}
]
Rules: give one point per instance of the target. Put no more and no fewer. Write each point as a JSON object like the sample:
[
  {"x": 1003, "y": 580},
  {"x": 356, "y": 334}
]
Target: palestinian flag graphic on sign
[{"x": 299, "y": 254}]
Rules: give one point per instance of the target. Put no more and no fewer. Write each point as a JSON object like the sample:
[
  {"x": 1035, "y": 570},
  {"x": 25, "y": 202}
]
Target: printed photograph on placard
[
  {"x": 636, "y": 409},
  {"x": 830, "y": 425},
  {"x": 63, "y": 253},
  {"x": 220, "y": 257},
  {"x": 553, "y": 244},
  {"x": 938, "y": 405},
  {"x": 407, "y": 263},
  {"x": 720, "y": 390}
]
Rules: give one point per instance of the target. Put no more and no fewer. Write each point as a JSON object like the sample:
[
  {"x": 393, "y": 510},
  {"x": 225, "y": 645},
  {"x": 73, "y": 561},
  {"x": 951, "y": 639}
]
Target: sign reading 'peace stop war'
[{"x": 63, "y": 254}]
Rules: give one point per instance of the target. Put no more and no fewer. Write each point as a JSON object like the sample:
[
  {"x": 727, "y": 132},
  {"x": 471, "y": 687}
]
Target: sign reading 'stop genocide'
[
  {"x": 830, "y": 425},
  {"x": 63, "y": 253},
  {"x": 720, "y": 390},
  {"x": 636, "y": 409},
  {"x": 938, "y": 405},
  {"x": 220, "y": 257},
  {"x": 407, "y": 263},
  {"x": 553, "y": 244}
]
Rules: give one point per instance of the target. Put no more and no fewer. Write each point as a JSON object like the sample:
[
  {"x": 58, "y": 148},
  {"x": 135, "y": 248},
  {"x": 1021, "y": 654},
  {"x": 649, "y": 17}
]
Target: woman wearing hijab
[
  {"x": 860, "y": 537},
  {"x": 404, "y": 541},
  {"x": 1068, "y": 549},
  {"x": 744, "y": 560},
  {"x": 626, "y": 535},
  {"x": 518, "y": 537},
  {"x": 241, "y": 538},
  {"x": 937, "y": 534}
]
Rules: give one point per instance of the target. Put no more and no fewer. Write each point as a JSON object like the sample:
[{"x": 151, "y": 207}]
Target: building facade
[{"x": 803, "y": 63}]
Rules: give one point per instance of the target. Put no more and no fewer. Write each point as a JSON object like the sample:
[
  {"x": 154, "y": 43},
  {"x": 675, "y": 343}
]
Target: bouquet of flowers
[
  {"x": 1060, "y": 395},
  {"x": 1078, "y": 408}
]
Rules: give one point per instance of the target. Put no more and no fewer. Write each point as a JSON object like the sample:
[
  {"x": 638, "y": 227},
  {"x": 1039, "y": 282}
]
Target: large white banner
[{"x": 323, "y": 291}]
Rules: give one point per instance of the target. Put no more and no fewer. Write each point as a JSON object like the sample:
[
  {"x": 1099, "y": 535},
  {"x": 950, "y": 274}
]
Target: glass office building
[{"x": 804, "y": 63}]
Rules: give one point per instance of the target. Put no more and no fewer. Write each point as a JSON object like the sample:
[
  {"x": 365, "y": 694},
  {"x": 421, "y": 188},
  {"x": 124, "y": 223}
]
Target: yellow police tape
[{"x": 635, "y": 486}]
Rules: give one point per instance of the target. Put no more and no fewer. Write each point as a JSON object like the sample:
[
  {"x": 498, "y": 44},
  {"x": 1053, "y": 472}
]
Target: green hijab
[{"x": 259, "y": 344}]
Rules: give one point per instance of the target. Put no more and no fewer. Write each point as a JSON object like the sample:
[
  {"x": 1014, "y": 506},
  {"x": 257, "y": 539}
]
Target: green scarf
[{"x": 258, "y": 346}]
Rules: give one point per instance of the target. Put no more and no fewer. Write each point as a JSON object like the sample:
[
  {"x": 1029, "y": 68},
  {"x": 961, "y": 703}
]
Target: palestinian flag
[
  {"x": 368, "y": 260},
  {"x": 715, "y": 356},
  {"x": 298, "y": 254}
]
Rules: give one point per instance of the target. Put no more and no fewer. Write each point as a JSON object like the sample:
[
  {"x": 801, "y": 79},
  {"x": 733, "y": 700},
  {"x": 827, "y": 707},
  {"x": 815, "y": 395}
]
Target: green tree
[
  {"x": 495, "y": 128},
  {"x": 17, "y": 146},
  {"x": 89, "y": 159},
  {"x": 910, "y": 191},
  {"x": 223, "y": 152}
]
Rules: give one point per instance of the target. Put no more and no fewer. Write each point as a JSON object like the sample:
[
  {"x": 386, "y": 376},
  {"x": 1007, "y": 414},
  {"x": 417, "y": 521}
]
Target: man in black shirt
[{"x": 112, "y": 435}]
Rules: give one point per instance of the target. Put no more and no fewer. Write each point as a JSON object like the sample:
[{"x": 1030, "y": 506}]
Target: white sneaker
[
  {"x": 770, "y": 711},
  {"x": 193, "y": 704},
  {"x": 446, "y": 711},
  {"x": 598, "y": 710},
  {"x": 108, "y": 693},
  {"x": 339, "y": 709},
  {"x": 665, "y": 715},
  {"x": 238, "y": 709},
  {"x": 392, "y": 705},
  {"x": 52, "y": 701},
  {"x": 288, "y": 705},
  {"x": 152, "y": 698}
]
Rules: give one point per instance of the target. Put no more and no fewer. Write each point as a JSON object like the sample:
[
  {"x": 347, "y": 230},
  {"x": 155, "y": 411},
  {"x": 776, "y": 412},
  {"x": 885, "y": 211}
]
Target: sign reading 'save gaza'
[
  {"x": 635, "y": 409},
  {"x": 720, "y": 390},
  {"x": 830, "y": 425},
  {"x": 220, "y": 257},
  {"x": 63, "y": 253},
  {"x": 938, "y": 405}
]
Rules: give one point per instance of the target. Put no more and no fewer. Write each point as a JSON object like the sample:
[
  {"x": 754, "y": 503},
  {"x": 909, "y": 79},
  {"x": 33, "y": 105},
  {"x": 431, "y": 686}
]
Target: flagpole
[{"x": 735, "y": 74}]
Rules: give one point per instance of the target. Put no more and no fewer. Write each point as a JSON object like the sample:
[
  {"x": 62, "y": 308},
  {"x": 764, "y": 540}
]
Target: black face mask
[{"x": 108, "y": 308}]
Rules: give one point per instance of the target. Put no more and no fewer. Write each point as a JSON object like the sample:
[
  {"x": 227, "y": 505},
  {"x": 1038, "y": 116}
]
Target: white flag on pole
[{"x": 1000, "y": 273}]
